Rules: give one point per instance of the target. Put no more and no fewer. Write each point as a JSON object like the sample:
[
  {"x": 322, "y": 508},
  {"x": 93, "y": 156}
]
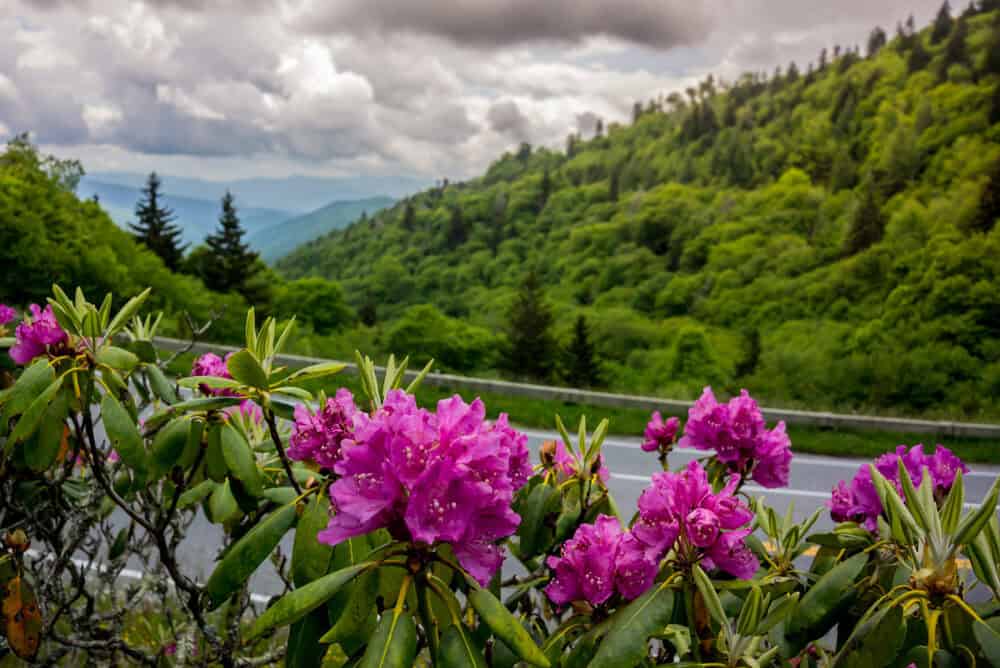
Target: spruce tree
[
  {"x": 582, "y": 368},
  {"x": 867, "y": 223},
  {"x": 989, "y": 203},
  {"x": 876, "y": 40},
  {"x": 942, "y": 24},
  {"x": 955, "y": 52},
  {"x": 154, "y": 227},
  {"x": 919, "y": 57},
  {"x": 409, "y": 221},
  {"x": 457, "y": 232},
  {"x": 545, "y": 189},
  {"x": 531, "y": 351},
  {"x": 230, "y": 263}
]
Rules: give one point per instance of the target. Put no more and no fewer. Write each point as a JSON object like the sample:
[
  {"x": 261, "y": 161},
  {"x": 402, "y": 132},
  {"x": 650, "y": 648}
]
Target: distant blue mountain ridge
[{"x": 272, "y": 232}]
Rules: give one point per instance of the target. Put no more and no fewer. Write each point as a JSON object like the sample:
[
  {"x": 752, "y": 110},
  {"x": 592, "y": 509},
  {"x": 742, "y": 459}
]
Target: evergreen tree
[
  {"x": 793, "y": 73},
  {"x": 942, "y": 24},
  {"x": 636, "y": 111},
  {"x": 995, "y": 106},
  {"x": 876, "y": 40},
  {"x": 230, "y": 264},
  {"x": 919, "y": 57},
  {"x": 991, "y": 64},
  {"x": 582, "y": 368},
  {"x": 545, "y": 189},
  {"x": 822, "y": 60},
  {"x": 531, "y": 349},
  {"x": 409, "y": 222},
  {"x": 154, "y": 227},
  {"x": 599, "y": 128},
  {"x": 613, "y": 183},
  {"x": 457, "y": 232},
  {"x": 989, "y": 203},
  {"x": 955, "y": 48},
  {"x": 867, "y": 224}
]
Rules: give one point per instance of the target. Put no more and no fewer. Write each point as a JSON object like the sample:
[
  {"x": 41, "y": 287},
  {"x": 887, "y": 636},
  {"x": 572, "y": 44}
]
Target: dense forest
[{"x": 824, "y": 234}]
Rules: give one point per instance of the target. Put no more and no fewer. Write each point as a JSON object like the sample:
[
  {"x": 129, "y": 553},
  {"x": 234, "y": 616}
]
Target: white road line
[{"x": 799, "y": 460}]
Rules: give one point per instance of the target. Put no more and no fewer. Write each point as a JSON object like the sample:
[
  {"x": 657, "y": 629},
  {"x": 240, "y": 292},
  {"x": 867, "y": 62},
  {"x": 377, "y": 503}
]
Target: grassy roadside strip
[{"x": 539, "y": 414}]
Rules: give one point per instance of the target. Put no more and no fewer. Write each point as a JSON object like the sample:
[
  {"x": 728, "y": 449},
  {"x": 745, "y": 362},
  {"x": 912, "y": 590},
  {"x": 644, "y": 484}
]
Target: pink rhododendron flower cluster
[
  {"x": 859, "y": 502},
  {"x": 740, "y": 438},
  {"x": 36, "y": 334},
  {"x": 443, "y": 477},
  {"x": 211, "y": 364},
  {"x": 598, "y": 561},
  {"x": 660, "y": 435},
  {"x": 6, "y": 314},
  {"x": 317, "y": 437},
  {"x": 679, "y": 511}
]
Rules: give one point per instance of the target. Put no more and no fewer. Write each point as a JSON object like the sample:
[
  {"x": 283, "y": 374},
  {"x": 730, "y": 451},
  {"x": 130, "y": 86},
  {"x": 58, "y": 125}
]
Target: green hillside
[
  {"x": 825, "y": 235},
  {"x": 278, "y": 239},
  {"x": 48, "y": 235}
]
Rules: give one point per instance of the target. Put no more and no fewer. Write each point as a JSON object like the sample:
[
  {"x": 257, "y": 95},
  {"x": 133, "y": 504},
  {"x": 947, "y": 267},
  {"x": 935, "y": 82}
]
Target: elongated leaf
[
  {"x": 709, "y": 596},
  {"x": 248, "y": 554},
  {"x": 214, "y": 382},
  {"x": 506, "y": 627},
  {"x": 459, "y": 649},
  {"x": 315, "y": 371},
  {"x": 245, "y": 368},
  {"x": 974, "y": 522},
  {"x": 41, "y": 452},
  {"x": 533, "y": 526},
  {"x": 215, "y": 463},
  {"x": 951, "y": 511},
  {"x": 627, "y": 643},
  {"x": 311, "y": 558},
  {"x": 394, "y": 643},
  {"x": 124, "y": 434},
  {"x": 125, "y": 314},
  {"x": 22, "y": 618},
  {"x": 191, "y": 405},
  {"x": 196, "y": 494},
  {"x": 160, "y": 385},
  {"x": 241, "y": 461},
  {"x": 989, "y": 642},
  {"x": 32, "y": 417},
  {"x": 117, "y": 358},
  {"x": 298, "y": 603},
  {"x": 32, "y": 382},
  {"x": 222, "y": 506},
  {"x": 818, "y": 610},
  {"x": 304, "y": 649},
  {"x": 777, "y": 613},
  {"x": 168, "y": 446}
]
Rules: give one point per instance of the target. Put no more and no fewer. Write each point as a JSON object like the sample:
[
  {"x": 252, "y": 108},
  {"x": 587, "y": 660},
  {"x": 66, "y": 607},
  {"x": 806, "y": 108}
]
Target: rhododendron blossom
[
  {"x": 598, "y": 561},
  {"x": 859, "y": 501},
  {"x": 36, "y": 334},
  {"x": 317, "y": 437},
  {"x": 660, "y": 435},
  {"x": 679, "y": 511},
  {"x": 444, "y": 477},
  {"x": 211, "y": 364},
  {"x": 738, "y": 434},
  {"x": 6, "y": 314}
]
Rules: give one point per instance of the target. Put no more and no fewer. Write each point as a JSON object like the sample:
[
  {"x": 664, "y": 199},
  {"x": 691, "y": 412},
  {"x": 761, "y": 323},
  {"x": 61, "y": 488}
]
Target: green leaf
[
  {"x": 818, "y": 610},
  {"x": 596, "y": 440},
  {"x": 222, "y": 506},
  {"x": 415, "y": 383},
  {"x": 298, "y": 603},
  {"x": 533, "y": 526},
  {"x": 351, "y": 610},
  {"x": 877, "y": 641},
  {"x": 459, "y": 649},
  {"x": 214, "y": 382},
  {"x": 124, "y": 434},
  {"x": 215, "y": 463},
  {"x": 394, "y": 643},
  {"x": 41, "y": 452},
  {"x": 117, "y": 358},
  {"x": 627, "y": 643},
  {"x": 750, "y": 613},
  {"x": 709, "y": 596},
  {"x": 315, "y": 371},
  {"x": 778, "y": 611},
  {"x": 311, "y": 558},
  {"x": 168, "y": 446},
  {"x": 250, "y": 329},
  {"x": 240, "y": 460},
  {"x": 245, "y": 368},
  {"x": 974, "y": 522},
  {"x": 915, "y": 501},
  {"x": 196, "y": 494},
  {"x": 248, "y": 554},
  {"x": 505, "y": 626},
  {"x": 32, "y": 382},
  {"x": 160, "y": 385},
  {"x": 32, "y": 417},
  {"x": 989, "y": 642},
  {"x": 303, "y": 649},
  {"x": 191, "y": 405},
  {"x": 125, "y": 314},
  {"x": 951, "y": 511}
]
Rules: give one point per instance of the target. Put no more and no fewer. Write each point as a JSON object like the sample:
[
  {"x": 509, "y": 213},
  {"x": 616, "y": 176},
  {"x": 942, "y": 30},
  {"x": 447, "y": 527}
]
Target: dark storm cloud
[
  {"x": 493, "y": 23},
  {"x": 506, "y": 118}
]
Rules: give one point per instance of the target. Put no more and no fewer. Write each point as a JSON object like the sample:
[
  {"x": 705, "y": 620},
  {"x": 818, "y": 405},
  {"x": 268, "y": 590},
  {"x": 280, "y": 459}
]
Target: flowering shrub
[{"x": 429, "y": 536}]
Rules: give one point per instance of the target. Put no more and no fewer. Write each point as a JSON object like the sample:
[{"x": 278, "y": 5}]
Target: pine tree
[
  {"x": 876, "y": 40},
  {"x": 545, "y": 189},
  {"x": 991, "y": 64},
  {"x": 613, "y": 183},
  {"x": 230, "y": 264},
  {"x": 457, "y": 232},
  {"x": 955, "y": 52},
  {"x": 154, "y": 227},
  {"x": 409, "y": 221},
  {"x": 919, "y": 57},
  {"x": 867, "y": 223},
  {"x": 988, "y": 211},
  {"x": 582, "y": 368},
  {"x": 942, "y": 24},
  {"x": 532, "y": 350}
]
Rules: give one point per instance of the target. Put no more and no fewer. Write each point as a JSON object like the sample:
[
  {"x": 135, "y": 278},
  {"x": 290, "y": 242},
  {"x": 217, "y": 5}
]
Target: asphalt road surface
[{"x": 812, "y": 478}]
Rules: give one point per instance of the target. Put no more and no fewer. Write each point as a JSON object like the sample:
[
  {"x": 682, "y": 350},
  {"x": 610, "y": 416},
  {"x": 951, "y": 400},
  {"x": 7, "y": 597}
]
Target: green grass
[{"x": 540, "y": 414}]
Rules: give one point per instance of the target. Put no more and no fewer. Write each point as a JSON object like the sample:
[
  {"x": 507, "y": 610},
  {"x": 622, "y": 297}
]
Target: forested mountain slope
[{"x": 825, "y": 235}]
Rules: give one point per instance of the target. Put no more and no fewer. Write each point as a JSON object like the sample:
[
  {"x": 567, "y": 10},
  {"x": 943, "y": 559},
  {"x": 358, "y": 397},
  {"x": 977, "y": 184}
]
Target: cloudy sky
[{"x": 431, "y": 88}]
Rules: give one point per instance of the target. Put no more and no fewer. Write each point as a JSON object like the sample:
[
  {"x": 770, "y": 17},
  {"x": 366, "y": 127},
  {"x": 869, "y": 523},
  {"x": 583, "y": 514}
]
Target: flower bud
[
  {"x": 548, "y": 454},
  {"x": 17, "y": 540}
]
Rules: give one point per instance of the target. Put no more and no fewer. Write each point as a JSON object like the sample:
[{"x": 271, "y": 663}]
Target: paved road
[{"x": 812, "y": 477}]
